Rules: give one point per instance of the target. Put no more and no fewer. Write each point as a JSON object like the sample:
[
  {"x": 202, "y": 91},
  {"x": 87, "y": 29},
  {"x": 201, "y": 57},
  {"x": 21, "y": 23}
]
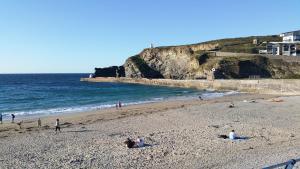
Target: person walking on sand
[
  {"x": 13, "y": 118},
  {"x": 39, "y": 123},
  {"x": 57, "y": 125},
  {"x": 1, "y": 118}
]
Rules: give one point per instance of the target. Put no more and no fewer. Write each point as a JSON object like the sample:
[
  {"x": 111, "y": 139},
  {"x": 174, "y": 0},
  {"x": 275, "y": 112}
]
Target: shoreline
[
  {"x": 30, "y": 122},
  {"x": 94, "y": 107}
]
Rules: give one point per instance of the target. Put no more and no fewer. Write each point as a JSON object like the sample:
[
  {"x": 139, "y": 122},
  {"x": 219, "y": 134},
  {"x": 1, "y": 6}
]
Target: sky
[{"x": 75, "y": 36}]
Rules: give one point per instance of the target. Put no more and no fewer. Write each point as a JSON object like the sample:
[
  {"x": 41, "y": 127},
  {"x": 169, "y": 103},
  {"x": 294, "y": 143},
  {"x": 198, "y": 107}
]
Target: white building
[
  {"x": 291, "y": 36},
  {"x": 288, "y": 47}
]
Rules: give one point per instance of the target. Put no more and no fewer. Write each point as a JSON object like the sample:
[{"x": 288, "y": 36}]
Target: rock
[
  {"x": 112, "y": 71},
  {"x": 150, "y": 157}
]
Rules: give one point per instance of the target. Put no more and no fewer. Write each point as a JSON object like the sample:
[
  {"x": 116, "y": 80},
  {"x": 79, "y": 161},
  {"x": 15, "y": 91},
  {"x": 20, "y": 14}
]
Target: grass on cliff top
[
  {"x": 244, "y": 45},
  {"x": 238, "y": 45}
]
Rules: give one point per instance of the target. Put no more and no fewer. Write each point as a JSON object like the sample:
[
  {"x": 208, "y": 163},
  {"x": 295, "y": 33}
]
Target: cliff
[{"x": 231, "y": 58}]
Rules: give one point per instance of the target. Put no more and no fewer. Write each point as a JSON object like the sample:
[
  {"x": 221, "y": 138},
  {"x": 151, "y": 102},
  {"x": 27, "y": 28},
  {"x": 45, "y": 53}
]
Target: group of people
[
  {"x": 39, "y": 122},
  {"x": 135, "y": 144},
  {"x": 12, "y": 118}
]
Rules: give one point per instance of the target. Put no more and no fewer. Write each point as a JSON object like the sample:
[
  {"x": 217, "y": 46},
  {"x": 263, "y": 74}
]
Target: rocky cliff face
[
  {"x": 112, "y": 71},
  {"x": 197, "y": 61},
  {"x": 167, "y": 62}
]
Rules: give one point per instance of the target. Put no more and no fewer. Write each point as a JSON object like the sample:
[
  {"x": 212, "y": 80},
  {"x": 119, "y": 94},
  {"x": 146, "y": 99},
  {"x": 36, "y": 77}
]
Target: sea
[{"x": 28, "y": 95}]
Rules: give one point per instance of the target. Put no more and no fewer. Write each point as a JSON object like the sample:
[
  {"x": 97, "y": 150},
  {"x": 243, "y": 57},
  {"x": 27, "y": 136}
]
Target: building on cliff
[{"x": 290, "y": 45}]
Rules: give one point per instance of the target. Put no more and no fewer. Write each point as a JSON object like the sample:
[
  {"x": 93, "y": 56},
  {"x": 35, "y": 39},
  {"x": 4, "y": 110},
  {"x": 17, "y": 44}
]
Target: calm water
[{"x": 43, "y": 94}]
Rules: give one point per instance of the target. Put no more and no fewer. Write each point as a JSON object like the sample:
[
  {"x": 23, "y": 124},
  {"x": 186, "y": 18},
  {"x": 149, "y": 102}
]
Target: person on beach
[
  {"x": 135, "y": 144},
  {"x": 232, "y": 135},
  {"x": 57, "y": 125},
  {"x": 20, "y": 124},
  {"x": 13, "y": 118},
  {"x": 231, "y": 105},
  {"x": 200, "y": 98},
  {"x": 117, "y": 105},
  {"x": 140, "y": 142},
  {"x": 130, "y": 143},
  {"x": 1, "y": 117},
  {"x": 39, "y": 123},
  {"x": 120, "y": 104}
]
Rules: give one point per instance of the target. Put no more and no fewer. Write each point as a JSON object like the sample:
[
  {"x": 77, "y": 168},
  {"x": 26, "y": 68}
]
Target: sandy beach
[{"x": 179, "y": 134}]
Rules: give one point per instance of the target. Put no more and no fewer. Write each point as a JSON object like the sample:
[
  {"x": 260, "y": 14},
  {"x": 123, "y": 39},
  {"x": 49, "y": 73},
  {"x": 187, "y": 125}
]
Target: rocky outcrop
[
  {"x": 187, "y": 64},
  {"x": 197, "y": 61},
  {"x": 136, "y": 67},
  {"x": 112, "y": 71},
  {"x": 167, "y": 62}
]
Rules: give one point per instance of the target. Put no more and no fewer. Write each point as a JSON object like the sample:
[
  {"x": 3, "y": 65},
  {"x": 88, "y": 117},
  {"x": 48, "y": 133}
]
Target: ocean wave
[
  {"x": 85, "y": 108},
  {"x": 212, "y": 95},
  {"x": 62, "y": 110}
]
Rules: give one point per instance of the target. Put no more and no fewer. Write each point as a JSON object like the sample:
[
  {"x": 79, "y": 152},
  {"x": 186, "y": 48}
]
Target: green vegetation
[
  {"x": 237, "y": 45},
  {"x": 245, "y": 44}
]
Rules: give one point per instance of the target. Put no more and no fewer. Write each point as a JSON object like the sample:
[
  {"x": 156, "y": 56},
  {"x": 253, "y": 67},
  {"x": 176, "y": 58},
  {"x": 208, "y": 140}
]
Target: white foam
[
  {"x": 62, "y": 110},
  {"x": 217, "y": 94},
  {"x": 85, "y": 108}
]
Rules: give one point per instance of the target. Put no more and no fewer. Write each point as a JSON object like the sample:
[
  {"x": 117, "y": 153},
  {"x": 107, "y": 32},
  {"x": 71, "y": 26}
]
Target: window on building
[{"x": 285, "y": 47}]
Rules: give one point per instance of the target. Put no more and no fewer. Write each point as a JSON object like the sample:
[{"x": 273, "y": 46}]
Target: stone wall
[{"x": 261, "y": 86}]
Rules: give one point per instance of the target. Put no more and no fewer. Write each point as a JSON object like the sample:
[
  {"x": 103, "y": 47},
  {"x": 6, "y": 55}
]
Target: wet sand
[{"x": 179, "y": 134}]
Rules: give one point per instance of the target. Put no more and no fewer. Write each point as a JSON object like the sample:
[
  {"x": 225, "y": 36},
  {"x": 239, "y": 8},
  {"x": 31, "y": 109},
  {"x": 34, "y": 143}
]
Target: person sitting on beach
[
  {"x": 57, "y": 125},
  {"x": 130, "y": 143},
  {"x": 231, "y": 105},
  {"x": 232, "y": 135},
  {"x": 135, "y": 144},
  {"x": 140, "y": 142}
]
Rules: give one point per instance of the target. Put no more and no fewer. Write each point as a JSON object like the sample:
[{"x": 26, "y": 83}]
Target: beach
[{"x": 178, "y": 134}]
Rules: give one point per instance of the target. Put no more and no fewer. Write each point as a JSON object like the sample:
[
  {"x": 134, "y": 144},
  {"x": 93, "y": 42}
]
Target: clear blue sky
[{"x": 40, "y": 36}]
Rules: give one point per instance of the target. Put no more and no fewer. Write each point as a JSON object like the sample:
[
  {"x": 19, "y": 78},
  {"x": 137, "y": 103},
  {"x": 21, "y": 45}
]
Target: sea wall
[{"x": 261, "y": 86}]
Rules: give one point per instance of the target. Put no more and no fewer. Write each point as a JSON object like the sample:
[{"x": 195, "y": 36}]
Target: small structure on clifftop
[{"x": 255, "y": 41}]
